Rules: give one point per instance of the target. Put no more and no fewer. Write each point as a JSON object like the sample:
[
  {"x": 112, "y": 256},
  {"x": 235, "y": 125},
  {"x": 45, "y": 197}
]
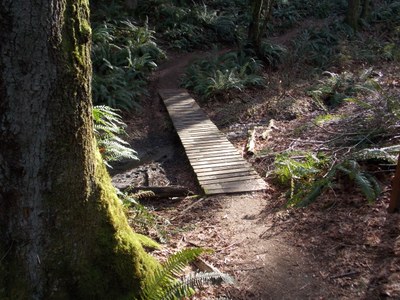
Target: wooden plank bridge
[{"x": 218, "y": 165}]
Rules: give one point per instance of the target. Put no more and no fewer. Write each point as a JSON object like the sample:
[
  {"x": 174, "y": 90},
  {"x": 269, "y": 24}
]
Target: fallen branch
[
  {"x": 348, "y": 274},
  {"x": 161, "y": 191},
  {"x": 188, "y": 208},
  {"x": 251, "y": 142},
  {"x": 204, "y": 266}
]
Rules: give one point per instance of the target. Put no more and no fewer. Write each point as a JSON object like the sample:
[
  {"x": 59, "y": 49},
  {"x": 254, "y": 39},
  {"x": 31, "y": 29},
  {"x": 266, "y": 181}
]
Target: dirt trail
[{"x": 231, "y": 224}]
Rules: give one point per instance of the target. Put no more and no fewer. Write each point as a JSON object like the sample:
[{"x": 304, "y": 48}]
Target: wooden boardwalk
[{"x": 219, "y": 167}]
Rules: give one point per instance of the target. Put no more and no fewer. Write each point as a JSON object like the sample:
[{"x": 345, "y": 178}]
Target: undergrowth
[
  {"x": 164, "y": 285},
  {"x": 123, "y": 55},
  {"x": 218, "y": 74},
  {"x": 353, "y": 149},
  {"x": 187, "y": 26},
  {"x": 168, "y": 281}
]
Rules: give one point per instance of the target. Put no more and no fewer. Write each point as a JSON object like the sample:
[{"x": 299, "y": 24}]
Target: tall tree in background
[
  {"x": 261, "y": 11},
  {"x": 357, "y": 9},
  {"x": 63, "y": 234}
]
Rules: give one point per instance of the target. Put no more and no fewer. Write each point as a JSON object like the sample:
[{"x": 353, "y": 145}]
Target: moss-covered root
[{"x": 121, "y": 256}]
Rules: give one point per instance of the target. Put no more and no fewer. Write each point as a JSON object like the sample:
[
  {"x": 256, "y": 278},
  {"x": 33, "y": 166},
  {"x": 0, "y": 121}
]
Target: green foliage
[
  {"x": 367, "y": 183},
  {"x": 164, "y": 285},
  {"x": 332, "y": 90},
  {"x": 123, "y": 55},
  {"x": 376, "y": 114},
  {"x": 388, "y": 13},
  {"x": 304, "y": 175},
  {"x": 143, "y": 220},
  {"x": 297, "y": 169},
  {"x": 214, "y": 75},
  {"x": 108, "y": 125},
  {"x": 185, "y": 287},
  {"x": 287, "y": 14},
  {"x": 321, "y": 119},
  {"x": 274, "y": 54},
  {"x": 188, "y": 26}
]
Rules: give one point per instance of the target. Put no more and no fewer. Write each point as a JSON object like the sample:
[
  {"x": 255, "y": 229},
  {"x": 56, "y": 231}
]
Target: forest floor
[{"x": 340, "y": 247}]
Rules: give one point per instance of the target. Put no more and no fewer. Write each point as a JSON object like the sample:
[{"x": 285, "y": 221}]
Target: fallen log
[{"x": 160, "y": 191}]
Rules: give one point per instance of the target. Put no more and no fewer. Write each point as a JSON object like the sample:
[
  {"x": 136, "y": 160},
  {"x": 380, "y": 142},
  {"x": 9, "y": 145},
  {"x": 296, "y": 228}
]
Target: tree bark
[
  {"x": 353, "y": 14},
  {"x": 261, "y": 15},
  {"x": 63, "y": 234},
  {"x": 366, "y": 9},
  {"x": 394, "y": 205},
  {"x": 254, "y": 34}
]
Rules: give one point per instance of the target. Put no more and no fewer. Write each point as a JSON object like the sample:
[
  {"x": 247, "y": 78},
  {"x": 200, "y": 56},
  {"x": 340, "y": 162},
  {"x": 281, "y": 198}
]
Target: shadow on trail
[{"x": 349, "y": 243}]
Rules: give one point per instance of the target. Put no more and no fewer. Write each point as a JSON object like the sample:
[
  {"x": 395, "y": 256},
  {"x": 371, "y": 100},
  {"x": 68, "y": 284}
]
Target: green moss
[
  {"x": 147, "y": 242},
  {"x": 130, "y": 263},
  {"x": 76, "y": 33},
  {"x": 327, "y": 118}
]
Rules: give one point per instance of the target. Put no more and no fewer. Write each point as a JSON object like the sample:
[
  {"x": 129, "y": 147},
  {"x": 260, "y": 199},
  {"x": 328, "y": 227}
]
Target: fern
[
  {"x": 143, "y": 195},
  {"x": 164, "y": 285},
  {"x": 232, "y": 70},
  {"x": 164, "y": 277},
  {"x": 274, "y": 54},
  {"x": 184, "y": 287},
  {"x": 123, "y": 55},
  {"x": 387, "y": 154},
  {"x": 367, "y": 184},
  {"x": 107, "y": 126}
]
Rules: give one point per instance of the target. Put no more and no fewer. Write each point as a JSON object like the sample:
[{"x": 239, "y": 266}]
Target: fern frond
[
  {"x": 165, "y": 275},
  {"x": 387, "y": 154},
  {"x": 184, "y": 287},
  {"x": 107, "y": 125},
  {"x": 368, "y": 185},
  {"x": 143, "y": 195}
]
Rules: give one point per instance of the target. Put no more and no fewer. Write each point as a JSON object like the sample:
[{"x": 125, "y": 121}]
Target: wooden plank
[
  {"x": 229, "y": 179},
  {"x": 222, "y": 169},
  {"x": 219, "y": 167},
  {"x": 232, "y": 190},
  {"x": 201, "y": 164},
  {"x": 211, "y": 149},
  {"x": 234, "y": 187},
  {"x": 228, "y": 156},
  {"x": 204, "y": 143},
  {"x": 225, "y": 153},
  {"x": 226, "y": 175},
  {"x": 244, "y": 184},
  {"x": 208, "y": 147},
  {"x": 198, "y": 168},
  {"x": 201, "y": 137},
  {"x": 218, "y": 170}
]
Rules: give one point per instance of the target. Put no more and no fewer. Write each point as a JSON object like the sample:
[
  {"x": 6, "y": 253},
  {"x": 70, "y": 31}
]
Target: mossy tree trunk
[
  {"x": 366, "y": 9},
  {"x": 353, "y": 14},
  {"x": 63, "y": 234},
  {"x": 261, "y": 11}
]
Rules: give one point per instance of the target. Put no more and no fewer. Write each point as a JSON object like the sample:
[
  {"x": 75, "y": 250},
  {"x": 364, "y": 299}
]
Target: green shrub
[
  {"x": 307, "y": 175},
  {"x": 333, "y": 89},
  {"x": 214, "y": 75},
  {"x": 123, "y": 55},
  {"x": 274, "y": 54},
  {"x": 188, "y": 26},
  {"x": 319, "y": 48}
]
